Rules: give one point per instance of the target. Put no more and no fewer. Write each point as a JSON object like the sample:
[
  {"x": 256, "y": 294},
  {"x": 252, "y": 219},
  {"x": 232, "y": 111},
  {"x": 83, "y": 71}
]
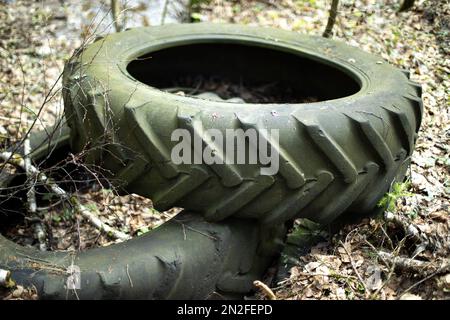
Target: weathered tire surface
[
  {"x": 336, "y": 156},
  {"x": 185, "y": 258}
]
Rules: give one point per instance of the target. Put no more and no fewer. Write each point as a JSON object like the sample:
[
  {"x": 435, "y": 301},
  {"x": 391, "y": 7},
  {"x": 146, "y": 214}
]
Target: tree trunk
[{"x": 331, "y": 19}]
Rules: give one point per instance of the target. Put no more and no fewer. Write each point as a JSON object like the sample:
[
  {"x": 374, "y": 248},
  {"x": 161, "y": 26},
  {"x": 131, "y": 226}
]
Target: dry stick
[
  {"x": 384, "y": 284},
  {"x": 331, "y": 19},
  {"x": 96, "y": 222},
  {"x": 419, "y": 282},
  {"x": 353, "y": 266},
  {"x": 388, "y": 278},
  {"x": 17, "y": 160},
  {"x": 194, "y": 230},
  {"x": 391, "y": 244},
  {"x": 129, "y": 277},
  {"x": 413, "y": 265},
  {"x": 39, "y": 230},
  {"x": 391, "y": 267},
  {"x": 265, "y": 290}
]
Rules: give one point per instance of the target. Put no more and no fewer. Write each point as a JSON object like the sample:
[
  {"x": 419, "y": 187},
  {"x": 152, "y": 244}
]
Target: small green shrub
[{"x": 399, "y": 190}]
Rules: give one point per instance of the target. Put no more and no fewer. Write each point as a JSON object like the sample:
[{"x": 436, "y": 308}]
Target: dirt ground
[{"x": 373, "y": 259}]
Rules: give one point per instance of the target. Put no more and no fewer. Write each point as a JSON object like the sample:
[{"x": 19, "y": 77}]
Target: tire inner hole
[{"x": 242, "y": 73}]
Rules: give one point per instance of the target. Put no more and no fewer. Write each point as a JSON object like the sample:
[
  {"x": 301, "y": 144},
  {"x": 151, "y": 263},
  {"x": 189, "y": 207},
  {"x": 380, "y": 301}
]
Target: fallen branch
[
  {"x": 413, "y": 265},
  {"x": 265, "y": 290},
  {"x": 331, "y": 19},
  {"x": 39, "y": 230},
  {"x": 418, "y": 283},
  {"x": 19, "y": 161},
  {"x": 96, "y": 222}
]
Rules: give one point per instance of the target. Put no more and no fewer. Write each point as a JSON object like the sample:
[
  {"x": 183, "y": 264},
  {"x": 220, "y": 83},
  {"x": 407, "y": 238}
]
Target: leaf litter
[{"x": 35, "y": 40}]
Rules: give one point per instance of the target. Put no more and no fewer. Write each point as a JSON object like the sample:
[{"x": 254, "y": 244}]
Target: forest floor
[{"x": 373, "y": 259}]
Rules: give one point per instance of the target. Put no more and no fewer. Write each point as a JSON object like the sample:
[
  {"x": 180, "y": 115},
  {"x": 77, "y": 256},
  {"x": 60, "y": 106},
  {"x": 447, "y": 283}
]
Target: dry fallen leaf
[{"x": 410, "y": 296}]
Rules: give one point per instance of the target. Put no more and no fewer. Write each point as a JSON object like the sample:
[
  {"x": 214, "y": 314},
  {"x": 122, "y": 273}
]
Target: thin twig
[
  {"x": 195, "y": 230},
  {"x": 18, "y": 160},
  {"x": 353, "y": 266},
  {"x": 391, "y": 244},
  {"x": 96, "y": 222},
  {"x": 391, "y": 270},
  {"x": 129, "y": 277}
]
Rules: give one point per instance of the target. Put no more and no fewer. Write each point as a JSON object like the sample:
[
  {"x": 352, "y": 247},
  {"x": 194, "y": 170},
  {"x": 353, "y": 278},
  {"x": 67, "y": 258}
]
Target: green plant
[
  {"x": 194, "y": 9},
  {"x": 142, "y": 231},
  {"x": 399, "y": 190},
  {"x": 196, "y": 17},
  {"x": 67, "y": 214}
]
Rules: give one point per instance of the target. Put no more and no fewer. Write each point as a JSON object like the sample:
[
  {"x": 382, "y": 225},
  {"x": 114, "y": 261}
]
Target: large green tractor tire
[
  {"x": 185, "y": 258},
  {"x": 337, "y": 155}
]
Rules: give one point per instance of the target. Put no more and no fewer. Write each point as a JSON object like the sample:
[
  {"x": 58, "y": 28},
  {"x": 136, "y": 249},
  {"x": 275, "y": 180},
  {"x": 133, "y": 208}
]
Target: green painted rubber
[
  {"x": 185, "y": 258},
  {"x": 336, "y": 156}
]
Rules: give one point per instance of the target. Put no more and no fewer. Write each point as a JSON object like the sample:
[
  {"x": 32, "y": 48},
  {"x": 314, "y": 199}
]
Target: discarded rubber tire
[
  {"x": 185, "y": 258},
  {"x": 338, "y": 155}
]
